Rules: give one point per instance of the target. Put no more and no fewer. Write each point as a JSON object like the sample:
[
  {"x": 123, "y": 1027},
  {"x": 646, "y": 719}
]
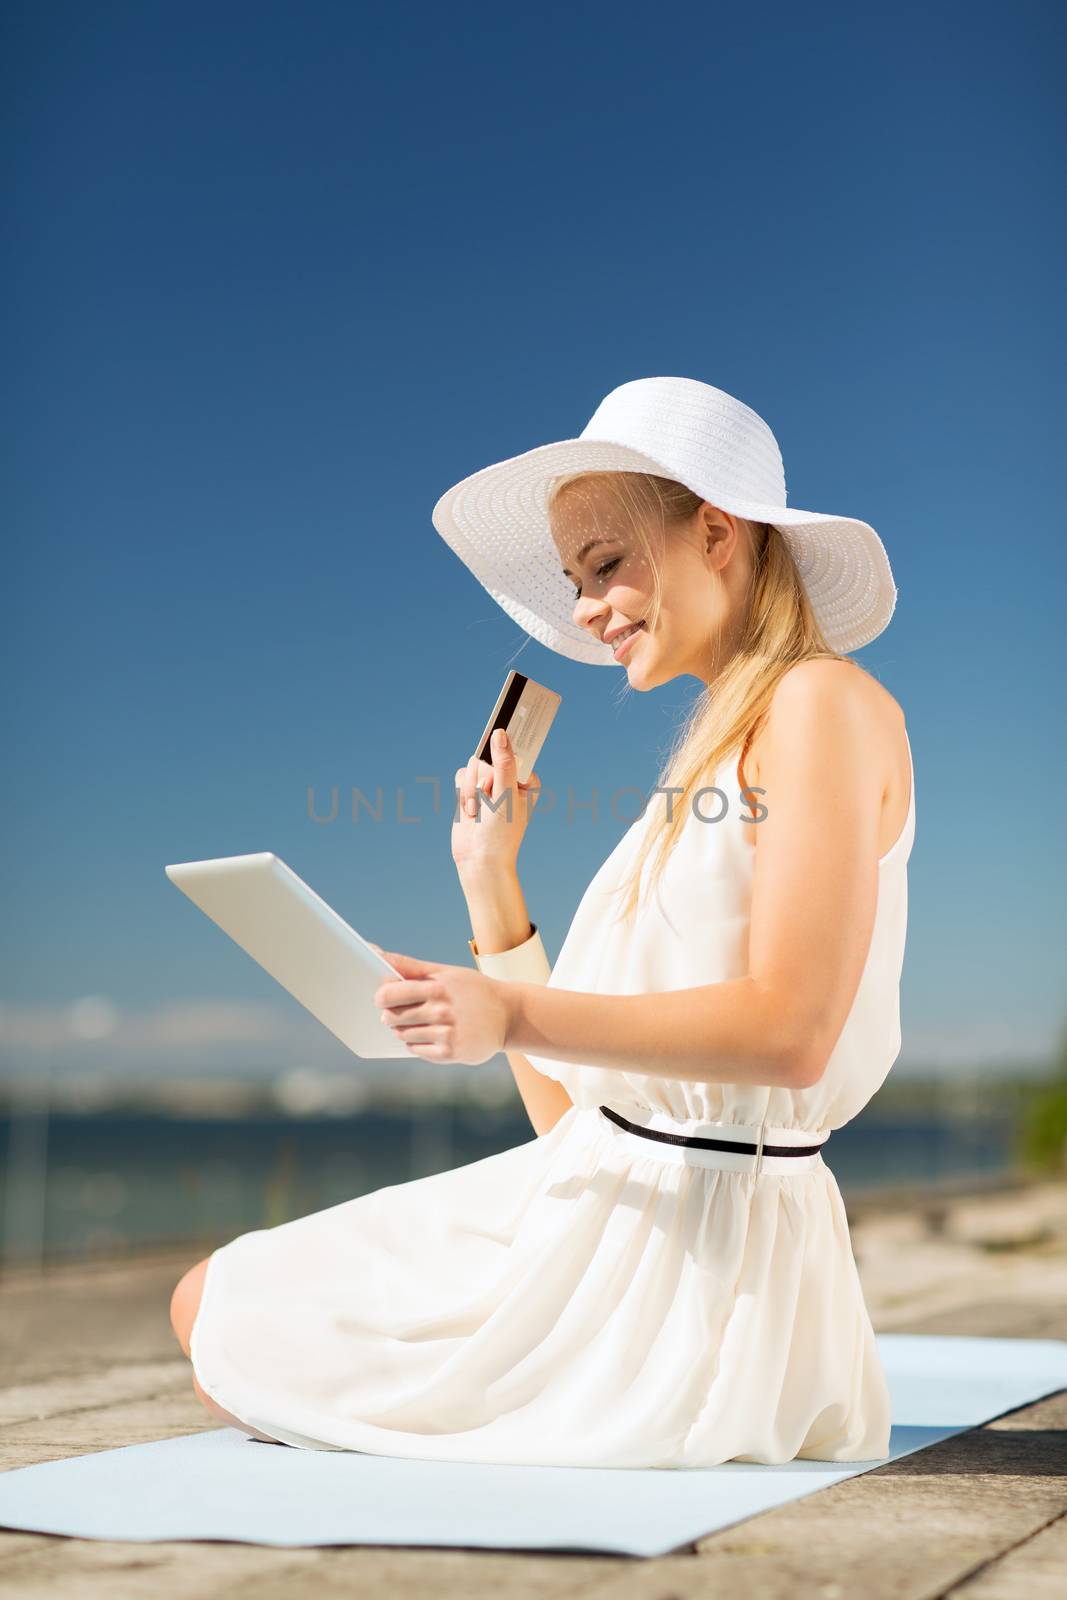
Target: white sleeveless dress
[{"x": 594, "y": 1297}]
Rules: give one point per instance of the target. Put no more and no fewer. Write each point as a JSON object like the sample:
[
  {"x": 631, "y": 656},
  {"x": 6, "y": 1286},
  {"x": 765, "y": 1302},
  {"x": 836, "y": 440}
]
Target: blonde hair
[{"x": 778, "y": 629}]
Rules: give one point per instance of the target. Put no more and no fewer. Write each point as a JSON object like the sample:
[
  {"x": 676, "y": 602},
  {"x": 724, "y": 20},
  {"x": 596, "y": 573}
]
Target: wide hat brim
[{"x": 496, "y": 522}]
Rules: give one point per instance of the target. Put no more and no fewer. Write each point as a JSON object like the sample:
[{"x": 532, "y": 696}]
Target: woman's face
[{"x": 617, "y": 590}]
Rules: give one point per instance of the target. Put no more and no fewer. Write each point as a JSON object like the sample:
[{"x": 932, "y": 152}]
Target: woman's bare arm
[{"x": 499, "y": 922}]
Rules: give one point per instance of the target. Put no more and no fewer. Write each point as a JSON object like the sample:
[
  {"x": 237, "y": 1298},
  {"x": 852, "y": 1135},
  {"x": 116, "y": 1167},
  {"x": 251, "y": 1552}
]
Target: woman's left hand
[{"x": 443, "y": 1013}]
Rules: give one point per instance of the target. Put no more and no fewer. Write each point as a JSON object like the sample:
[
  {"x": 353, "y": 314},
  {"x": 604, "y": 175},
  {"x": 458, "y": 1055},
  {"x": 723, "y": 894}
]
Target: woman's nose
[{"x": 586, "y": 612}]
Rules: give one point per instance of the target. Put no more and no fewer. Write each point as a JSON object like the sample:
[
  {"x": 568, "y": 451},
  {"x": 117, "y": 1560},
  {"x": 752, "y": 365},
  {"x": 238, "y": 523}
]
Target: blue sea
[{"x": 81, "y": 1184}]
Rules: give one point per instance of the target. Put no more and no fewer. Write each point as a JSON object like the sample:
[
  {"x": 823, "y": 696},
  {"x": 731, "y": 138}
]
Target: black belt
[{"x": 741, "y": 1145}]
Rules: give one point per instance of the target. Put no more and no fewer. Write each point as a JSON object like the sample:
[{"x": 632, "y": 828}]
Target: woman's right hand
[{"x": 484, "y": 838}]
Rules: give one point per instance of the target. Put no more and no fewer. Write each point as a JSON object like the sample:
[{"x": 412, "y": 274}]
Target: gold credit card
[{"x": 525, "y": 709}]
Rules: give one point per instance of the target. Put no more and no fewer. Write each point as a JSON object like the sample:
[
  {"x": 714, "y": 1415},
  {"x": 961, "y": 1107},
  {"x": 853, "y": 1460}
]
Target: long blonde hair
[{"x": 778, "y": 629}]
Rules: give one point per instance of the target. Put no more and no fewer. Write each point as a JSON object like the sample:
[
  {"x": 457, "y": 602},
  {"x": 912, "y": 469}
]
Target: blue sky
[{"x": 282, "y": 274}]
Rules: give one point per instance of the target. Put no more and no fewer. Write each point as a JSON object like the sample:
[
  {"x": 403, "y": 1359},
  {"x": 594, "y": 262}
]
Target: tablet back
[{"x": 300, "y": 940}]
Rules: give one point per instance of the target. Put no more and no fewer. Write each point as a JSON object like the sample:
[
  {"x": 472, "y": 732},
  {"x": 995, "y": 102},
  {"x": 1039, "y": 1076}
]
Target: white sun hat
[{"x": 496, "y": 520}]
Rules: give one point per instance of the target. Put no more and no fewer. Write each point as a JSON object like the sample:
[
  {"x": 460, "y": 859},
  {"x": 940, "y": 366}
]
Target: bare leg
[
  {"x": 184, "y": 1305},
  {"x": 224, "y": 1416}
]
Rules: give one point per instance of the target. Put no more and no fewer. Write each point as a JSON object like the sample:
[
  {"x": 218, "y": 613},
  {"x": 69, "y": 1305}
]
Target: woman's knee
[{"x": 185, "y": 1302}]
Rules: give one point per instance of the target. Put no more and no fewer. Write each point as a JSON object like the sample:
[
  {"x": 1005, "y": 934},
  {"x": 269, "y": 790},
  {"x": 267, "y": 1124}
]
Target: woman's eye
[{"x": 601, "y": 572}]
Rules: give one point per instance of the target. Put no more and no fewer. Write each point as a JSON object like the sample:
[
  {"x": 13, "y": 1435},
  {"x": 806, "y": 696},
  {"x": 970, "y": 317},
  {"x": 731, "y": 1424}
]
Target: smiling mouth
[{"x": 620, "y": 644}]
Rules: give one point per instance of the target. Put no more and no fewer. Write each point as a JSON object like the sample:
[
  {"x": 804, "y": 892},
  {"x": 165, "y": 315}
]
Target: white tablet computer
[{"x": 301, "y": 941}]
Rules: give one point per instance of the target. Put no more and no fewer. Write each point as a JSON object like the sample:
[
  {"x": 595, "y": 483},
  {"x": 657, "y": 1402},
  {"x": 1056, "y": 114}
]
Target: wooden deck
[{"x": 90, "y": 1362}]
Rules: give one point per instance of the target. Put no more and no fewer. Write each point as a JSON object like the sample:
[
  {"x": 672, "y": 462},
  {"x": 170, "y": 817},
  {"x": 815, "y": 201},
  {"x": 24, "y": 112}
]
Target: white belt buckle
[{"x": 758, "y": 1168}]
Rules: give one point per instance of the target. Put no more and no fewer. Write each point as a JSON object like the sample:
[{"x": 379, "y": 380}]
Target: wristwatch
[{"x": 525, "y": 963}]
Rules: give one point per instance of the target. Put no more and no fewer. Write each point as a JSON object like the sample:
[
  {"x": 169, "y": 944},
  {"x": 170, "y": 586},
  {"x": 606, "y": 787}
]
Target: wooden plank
[
  {"x": 1036, "y": 1569},
  {"x": 90, "y": 1392}
]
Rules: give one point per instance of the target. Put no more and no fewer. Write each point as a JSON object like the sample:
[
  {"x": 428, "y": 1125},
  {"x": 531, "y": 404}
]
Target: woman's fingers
[
  {"x": 477, "y": 774},
  {"x": 463, "y": 787},
  {"x": 466, "y": 783}
]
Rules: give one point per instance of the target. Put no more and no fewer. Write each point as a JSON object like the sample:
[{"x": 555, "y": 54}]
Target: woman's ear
[{"x": 720, "y": 530}]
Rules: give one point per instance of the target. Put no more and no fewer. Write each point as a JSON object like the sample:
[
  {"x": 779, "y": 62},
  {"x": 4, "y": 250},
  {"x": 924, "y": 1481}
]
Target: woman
[{"x": 663, "y": 1277}]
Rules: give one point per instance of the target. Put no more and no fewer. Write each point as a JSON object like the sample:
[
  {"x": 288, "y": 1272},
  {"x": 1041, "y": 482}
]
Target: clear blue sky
[{"x": 281, "y": 274}]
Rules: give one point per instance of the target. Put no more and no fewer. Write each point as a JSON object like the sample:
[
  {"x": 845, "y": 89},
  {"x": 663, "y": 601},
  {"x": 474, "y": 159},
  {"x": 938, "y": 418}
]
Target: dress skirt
[{"x": 583, "y": 1299}]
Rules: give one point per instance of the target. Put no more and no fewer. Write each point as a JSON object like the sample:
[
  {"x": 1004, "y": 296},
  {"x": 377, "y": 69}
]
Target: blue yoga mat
[{"x": 223, "y": 1484}]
